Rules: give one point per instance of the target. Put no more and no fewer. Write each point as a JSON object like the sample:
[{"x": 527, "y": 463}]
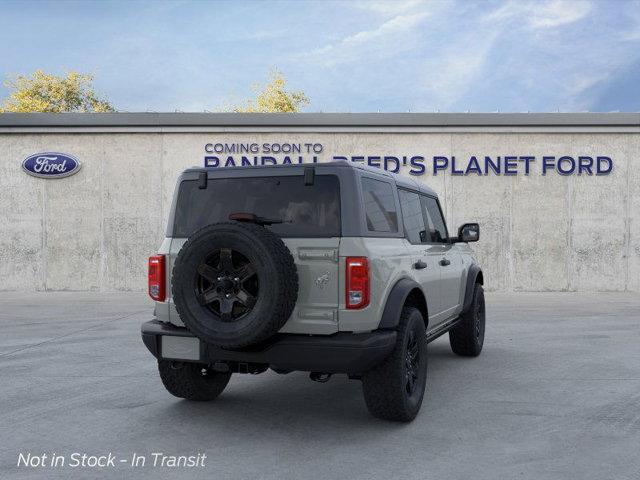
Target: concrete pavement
[{"x": 554, "y": 395}]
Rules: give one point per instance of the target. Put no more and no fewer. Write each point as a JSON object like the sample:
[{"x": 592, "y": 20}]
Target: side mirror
[{"x": 469, "y": 232}]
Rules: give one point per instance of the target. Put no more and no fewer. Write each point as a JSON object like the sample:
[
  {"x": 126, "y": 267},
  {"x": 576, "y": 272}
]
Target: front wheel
[
  {"x": 467, "y": 337},
  {"x": 394, "y": 389},
  {"x": 192, "y": 381}
]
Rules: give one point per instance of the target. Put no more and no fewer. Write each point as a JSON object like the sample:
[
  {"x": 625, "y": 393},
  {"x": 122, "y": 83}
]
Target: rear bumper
[{"x": 342, "y": 352}]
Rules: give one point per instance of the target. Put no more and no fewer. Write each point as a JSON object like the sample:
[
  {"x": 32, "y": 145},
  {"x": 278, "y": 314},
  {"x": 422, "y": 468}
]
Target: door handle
[
  {"x": 444, "y": 262},
  {"x": 419, "y": 265}
]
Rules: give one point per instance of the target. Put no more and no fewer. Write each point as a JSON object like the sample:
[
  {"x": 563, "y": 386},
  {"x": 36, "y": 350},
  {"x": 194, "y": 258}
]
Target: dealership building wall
[{"x": 94, "y": 230}]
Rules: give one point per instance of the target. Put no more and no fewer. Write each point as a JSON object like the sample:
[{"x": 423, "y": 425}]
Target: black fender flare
[
  {"x": 472, "y": 279},
  {"x": 395, "y": 302}
]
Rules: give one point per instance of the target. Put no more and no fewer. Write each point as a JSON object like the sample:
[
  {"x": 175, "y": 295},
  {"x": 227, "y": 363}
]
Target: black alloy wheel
[
  {"x": 412, "y": 363},
  {"x": 227, "y": 284}
]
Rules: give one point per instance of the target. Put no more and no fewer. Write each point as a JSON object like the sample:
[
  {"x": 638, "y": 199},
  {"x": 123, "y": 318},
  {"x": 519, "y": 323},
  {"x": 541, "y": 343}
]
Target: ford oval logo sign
[{"x": 51, "y": 165}]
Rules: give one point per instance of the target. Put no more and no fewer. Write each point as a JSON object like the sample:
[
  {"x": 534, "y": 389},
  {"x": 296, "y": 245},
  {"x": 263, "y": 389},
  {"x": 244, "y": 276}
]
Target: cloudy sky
[{"x": 354, "y": 56}]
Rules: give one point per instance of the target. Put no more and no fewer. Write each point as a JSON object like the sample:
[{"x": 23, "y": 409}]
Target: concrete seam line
[
  {"x": 26, "y": 347},
  {"x": 162, "y": 185},
  {"x": 45, "y": 246},
  {"x": 627, "y": 250},
  {"x": 569, "y": 198},
  {"x": 510, "y": 267},
  {"x": 101, "y": 273}
]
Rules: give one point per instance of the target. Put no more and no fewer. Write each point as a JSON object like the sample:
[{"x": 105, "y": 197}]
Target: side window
[
  {"x": 437, "y": 226},
  {"x": 412, "y": 217},
  {"x": 379, "y": 206}
]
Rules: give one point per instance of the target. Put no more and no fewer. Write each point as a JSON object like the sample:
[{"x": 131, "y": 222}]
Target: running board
[{"x": 442, "y": 329}]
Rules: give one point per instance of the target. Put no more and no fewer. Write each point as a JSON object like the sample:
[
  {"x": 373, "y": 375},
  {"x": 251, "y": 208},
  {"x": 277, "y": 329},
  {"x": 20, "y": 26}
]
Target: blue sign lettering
[{"x": 287, "y": 153}]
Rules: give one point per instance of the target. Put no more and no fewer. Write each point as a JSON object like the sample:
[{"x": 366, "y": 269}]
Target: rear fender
[{"x": 397, "y": 300}]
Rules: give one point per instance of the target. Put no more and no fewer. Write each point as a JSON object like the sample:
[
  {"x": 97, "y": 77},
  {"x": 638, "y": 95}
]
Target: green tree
[
  {"x": 273, "y": 97},
  {"x": 42, "y": 92}
]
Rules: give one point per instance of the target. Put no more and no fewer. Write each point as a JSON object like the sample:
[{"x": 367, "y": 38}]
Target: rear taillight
[
  {"x": 357, "y": 282},
  {"x": 156, "y": 278}
]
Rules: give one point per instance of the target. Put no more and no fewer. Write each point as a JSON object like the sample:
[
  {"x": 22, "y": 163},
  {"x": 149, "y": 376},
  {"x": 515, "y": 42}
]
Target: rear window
[
  {"x": 305, "y": 211},
  {"x": 379, "y": 205}
]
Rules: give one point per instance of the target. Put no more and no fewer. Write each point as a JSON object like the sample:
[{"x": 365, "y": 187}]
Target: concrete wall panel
[
  {"x": 598, "y": 220},
  {"x": 179, "y": 151},
  {"x": 22, "y": 262},
  {"x": 488, "y": 201},
  {"x": 132, "y": 208},
  {"x": 633, "y": 209},
  {"x": 73, "y": 216},
  {"x": 540, "y": 219}
]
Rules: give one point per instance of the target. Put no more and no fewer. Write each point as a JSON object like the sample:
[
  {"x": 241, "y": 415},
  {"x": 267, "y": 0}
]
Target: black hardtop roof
[{"x": 400, "y": 180}]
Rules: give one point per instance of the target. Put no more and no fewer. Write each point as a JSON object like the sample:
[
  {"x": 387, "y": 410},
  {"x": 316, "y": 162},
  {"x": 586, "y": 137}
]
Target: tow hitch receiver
[{"x": 320, "y": 377}]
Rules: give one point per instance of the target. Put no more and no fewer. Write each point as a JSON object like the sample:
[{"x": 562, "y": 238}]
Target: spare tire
[{"x": 234, "y": 284}]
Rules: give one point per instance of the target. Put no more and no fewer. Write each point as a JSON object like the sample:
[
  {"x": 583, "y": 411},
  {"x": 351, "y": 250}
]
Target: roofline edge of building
[{"x": 284, "y": 120}]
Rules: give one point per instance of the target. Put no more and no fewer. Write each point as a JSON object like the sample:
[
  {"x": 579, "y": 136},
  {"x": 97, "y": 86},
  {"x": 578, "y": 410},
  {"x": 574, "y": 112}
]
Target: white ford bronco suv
[{"x": 326, "y": 268}]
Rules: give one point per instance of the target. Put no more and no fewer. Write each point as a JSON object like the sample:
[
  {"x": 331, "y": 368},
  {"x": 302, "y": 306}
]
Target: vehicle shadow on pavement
[{"x": 267, "y": 401}]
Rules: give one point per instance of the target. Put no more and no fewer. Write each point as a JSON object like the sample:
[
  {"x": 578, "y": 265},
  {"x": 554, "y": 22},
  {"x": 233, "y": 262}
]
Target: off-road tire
[
  {"x": 385, "y": 386},
  {"x": 192, "y": 381},
  {"x": 467, "y": 337},
  {"x": 277, "y": 277}
]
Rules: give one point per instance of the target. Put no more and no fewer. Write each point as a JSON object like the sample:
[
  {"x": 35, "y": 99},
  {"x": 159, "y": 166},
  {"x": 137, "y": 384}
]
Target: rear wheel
[
  {"x": 192, "y": 381},
  {"x": 394, "y": 389},
  {"x": 467, "y": 337}
]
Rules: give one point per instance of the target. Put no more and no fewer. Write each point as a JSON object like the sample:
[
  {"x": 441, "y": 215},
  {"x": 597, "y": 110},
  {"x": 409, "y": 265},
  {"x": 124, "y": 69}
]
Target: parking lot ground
[{"x": 554, "y": 395}]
